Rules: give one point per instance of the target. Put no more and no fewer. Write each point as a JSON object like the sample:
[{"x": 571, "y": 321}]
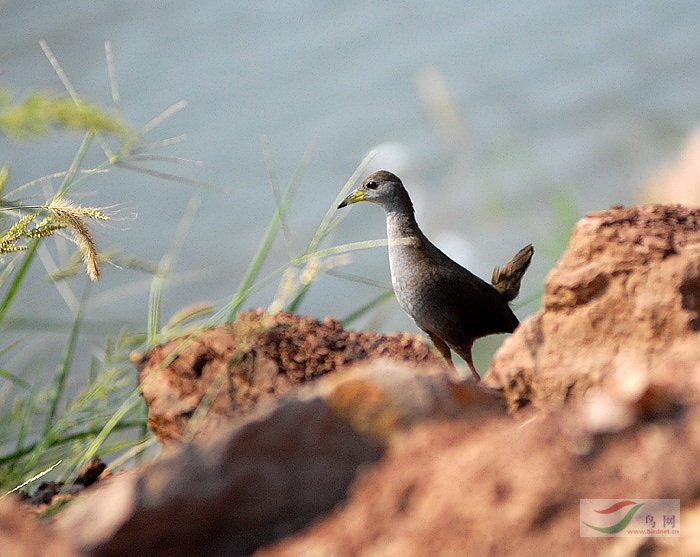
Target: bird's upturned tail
[{"x": 507, "y": 279}]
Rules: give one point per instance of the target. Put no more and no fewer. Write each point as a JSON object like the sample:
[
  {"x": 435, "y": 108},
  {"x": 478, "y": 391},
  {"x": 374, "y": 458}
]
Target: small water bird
[{"x": 451, "y": 304}]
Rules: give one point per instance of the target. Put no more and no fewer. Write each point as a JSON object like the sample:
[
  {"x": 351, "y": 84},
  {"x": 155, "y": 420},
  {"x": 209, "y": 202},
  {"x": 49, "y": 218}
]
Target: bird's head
[{"x": 381, "y": 187}]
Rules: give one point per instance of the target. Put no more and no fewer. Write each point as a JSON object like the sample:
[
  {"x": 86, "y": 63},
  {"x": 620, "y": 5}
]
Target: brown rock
[
  {"x": 21, "y": 535},
  {"x": 497, "y": 487},
  {"x": 624, "y": 298},
  {"x": 273, "y": 471},
  {"x": 224, "y": 372},
  {"x": 226, "y": 497},
  {"x": 620, "y": 324}
]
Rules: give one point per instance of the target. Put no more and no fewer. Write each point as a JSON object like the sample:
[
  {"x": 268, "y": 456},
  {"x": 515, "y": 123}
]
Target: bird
[{"x": 453, "y": 306}]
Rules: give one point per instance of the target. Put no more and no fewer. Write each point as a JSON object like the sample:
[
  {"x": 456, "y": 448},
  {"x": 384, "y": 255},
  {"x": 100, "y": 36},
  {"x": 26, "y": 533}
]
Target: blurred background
[{"x": 506, "y": 121}]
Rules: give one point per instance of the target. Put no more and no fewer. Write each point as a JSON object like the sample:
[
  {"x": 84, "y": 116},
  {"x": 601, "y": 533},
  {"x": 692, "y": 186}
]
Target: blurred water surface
[{"x": 501, "y": 117}]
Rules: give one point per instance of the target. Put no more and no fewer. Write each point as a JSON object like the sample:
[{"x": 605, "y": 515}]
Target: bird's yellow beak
[{"x": 354, "y": 197}]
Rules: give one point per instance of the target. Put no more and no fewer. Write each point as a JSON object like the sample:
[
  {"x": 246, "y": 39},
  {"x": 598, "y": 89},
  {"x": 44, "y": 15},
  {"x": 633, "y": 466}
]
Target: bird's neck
[{"x": 402, "y": 228}]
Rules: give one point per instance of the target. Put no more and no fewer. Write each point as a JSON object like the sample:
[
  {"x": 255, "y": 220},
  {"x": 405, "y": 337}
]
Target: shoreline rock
[
  {"x": 394, "y": 456},
  {"x": 234, "y": 367},
  {"x": 623, "y": 301},
  {"x": 270, "y": 473}
]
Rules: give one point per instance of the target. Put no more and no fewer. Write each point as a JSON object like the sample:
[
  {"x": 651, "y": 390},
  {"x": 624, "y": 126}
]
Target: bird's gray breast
[
  {"x": 411, "y": 261},
  {"x": 406, "y": 274}
]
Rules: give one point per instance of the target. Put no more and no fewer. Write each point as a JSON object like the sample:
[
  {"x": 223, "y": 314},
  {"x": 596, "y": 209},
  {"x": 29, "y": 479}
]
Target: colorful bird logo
[{"x": 622, "y": 524}]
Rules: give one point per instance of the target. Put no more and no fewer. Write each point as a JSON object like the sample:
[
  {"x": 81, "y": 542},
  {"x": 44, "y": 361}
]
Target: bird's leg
[
  {"x": 442, "y": 347},
  {"x": 466, "y": 353}
]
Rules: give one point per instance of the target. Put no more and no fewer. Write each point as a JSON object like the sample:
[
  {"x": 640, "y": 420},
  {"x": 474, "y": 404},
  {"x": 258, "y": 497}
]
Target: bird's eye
[{"x": 371, "y": 185}]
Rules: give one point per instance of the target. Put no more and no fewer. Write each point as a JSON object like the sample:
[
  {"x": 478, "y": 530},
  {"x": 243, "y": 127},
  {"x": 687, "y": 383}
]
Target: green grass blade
[
  {"x": 113, "y": 423},
  {"x": 64, "y": 365},
  {"x": 223, "y": 314},
  {"x": 4, "y": 175},
  {"x": 327, "y": 221},
  {"x": 63, "y": 440},
  {"x": 75, "y": 164},
  {"x": 154, "y": 297},
  {"x": 10, "y": 347},
  {"x": 132, "y": 400},
  {"x": 59, "y": 70},
  {"x": 336, "y": 250},
  {"x": 4, "y": 374},
  {"x": 167, "y": 176},
  {"x": 251, "y": 287},
  {"x": 156, "y": 121},
  {"x": 260, "y": 256},
  {"x": 291, "y": 186},
  {"x": 163, "y": 271},
  {"x": 371, "y": 305},
  {"x": 18, "y": 280},
  {"x": 359, "y": 279},
  {"x": 274, "y": 184},
  {"x": 112, "y": 73},
  {"x": 25, "y": 420}
]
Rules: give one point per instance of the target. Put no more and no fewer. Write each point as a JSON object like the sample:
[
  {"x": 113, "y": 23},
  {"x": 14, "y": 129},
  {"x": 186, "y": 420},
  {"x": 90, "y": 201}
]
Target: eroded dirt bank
[{"x": 320, "y": 441}]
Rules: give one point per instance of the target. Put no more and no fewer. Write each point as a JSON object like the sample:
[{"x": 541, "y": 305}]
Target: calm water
[{"x": 573, "y": 102}]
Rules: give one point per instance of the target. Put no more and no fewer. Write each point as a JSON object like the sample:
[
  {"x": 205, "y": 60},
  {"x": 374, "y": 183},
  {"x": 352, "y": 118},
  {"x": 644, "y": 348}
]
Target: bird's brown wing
[{"x": 469, "y": 307}]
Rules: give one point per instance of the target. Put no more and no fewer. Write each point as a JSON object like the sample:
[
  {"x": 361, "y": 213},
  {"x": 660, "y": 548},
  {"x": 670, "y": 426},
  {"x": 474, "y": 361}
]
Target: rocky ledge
[{"x": 289, "y": 436}]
